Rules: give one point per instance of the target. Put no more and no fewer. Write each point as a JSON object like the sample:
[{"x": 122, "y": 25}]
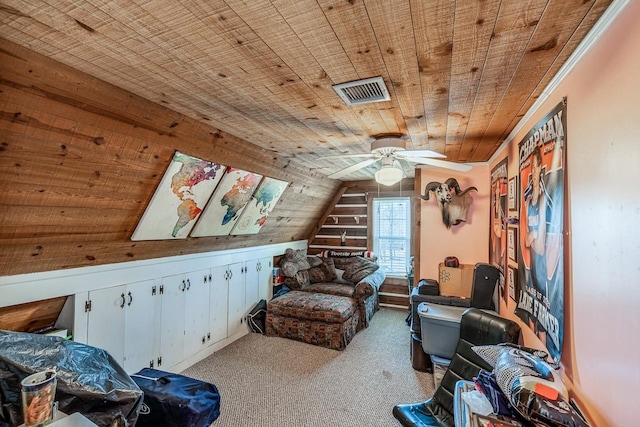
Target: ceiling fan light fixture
[{"x": 389, "y": 174}]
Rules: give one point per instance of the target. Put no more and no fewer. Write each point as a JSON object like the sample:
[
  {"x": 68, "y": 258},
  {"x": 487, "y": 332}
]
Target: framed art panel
[
  {"x": 512, "y": 244},
  {"x": 179, "y": 199},
  {"x": 262, "y": 203},
  {"x": 227, "y": 203},
  {"x": 513, "y": 194}
]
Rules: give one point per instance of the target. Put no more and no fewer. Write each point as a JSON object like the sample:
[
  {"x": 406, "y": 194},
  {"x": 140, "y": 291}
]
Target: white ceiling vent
[{"x": 363, "y": 91}]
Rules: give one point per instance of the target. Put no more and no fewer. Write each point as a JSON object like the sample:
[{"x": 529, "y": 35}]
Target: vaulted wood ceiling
[{"x": 460, "y": 73}]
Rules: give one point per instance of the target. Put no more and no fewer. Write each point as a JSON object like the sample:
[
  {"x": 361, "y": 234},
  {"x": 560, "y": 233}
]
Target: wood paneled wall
[{"x": 80, "y": 159}]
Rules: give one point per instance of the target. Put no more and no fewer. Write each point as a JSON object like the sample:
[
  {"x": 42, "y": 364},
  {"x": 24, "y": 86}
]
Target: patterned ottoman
[{"x": 320, "y": 319}]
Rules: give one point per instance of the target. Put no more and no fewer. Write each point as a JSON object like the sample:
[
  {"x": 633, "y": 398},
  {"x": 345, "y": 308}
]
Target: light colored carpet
[{"x": 268, "y": 381}]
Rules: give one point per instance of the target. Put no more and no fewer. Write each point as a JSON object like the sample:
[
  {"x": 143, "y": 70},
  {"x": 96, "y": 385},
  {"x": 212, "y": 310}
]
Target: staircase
[
  {"x": 348, "y": 216},
  {"x": 345, "y": 226}
]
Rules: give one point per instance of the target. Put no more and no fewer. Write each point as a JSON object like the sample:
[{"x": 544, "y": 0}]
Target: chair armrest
[{"x": 367, "y": 286}]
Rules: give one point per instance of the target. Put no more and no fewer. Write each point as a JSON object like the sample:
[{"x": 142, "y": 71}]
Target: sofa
[{"x": 330, "y": 297}]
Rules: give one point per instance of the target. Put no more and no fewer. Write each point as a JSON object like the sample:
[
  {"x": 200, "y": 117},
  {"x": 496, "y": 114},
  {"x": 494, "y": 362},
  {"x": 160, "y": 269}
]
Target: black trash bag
[
  {"x": 176, "y": 400},
  {"x": 257, "y": 318},
  {"x": 89, "y": 380}
]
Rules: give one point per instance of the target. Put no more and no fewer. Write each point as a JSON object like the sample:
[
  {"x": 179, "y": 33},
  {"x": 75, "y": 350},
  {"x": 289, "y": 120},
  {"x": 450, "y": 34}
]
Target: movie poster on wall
[
  {"x": 498, "y": 238},
  {"x": 542, "y": 159}
]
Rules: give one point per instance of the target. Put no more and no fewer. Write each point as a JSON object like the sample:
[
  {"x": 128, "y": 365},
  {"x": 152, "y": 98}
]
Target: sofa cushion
[
  {"x": 332, "y": 288},
  {"x": 293, "y": 261},
  {"x": 358, "y": 268},
  {"x": 314, "y": 261},
  {"x": 299, "y": 280},
  {"x": 325, "y": 272},
  {"x": 313, "y": 306}
]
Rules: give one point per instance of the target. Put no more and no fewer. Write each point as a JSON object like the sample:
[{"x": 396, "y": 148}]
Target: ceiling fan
[{"x": 390, "y": 151}]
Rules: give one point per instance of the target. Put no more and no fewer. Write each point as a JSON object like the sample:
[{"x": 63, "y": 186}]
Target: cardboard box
[{"x": 456, "y": 282}]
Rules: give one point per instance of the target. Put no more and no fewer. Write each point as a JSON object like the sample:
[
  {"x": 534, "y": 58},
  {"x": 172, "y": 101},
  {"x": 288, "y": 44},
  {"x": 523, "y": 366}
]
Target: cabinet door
[
  {"x": 266, "y": 278},
  {"x": 251, "y": 284},
  {"x": 218, "y": 300},
  {"x": 106, "y": 322},
  {"x": 141, "y": 324},
  {"x": 236, "y": 299},
  {"x": 172, "y": 320},
  {"x": 196, "y": 312}
]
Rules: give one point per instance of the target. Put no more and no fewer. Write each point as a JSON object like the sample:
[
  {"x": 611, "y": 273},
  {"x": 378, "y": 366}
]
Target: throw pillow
[
  {"x": 314, "y": 261},
  {"x": 299, "y": 280},
  {"x": 293, "y": 261},
  {"x": 323, "y": 273},
  {"x": 358, "y": 269}
]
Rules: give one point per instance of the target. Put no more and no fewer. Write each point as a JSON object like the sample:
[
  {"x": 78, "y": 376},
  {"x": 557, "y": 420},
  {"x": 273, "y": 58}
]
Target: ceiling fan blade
[
  {"x": 406, "y": 167},
  {"x": 352, "y": 168},
  {"x": 461, "y": 167},
  {"x": 347, "y": 156},
  {"x": 421, "y": 153}
]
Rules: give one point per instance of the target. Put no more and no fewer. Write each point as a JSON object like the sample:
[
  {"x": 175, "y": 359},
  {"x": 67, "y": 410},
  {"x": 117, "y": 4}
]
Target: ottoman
[{"x": 329, "y": 321}]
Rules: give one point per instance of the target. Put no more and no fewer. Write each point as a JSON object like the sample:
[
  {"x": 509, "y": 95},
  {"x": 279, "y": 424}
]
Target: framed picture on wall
[
  {"x": 512, "y": 194},
  {"x": 512, "y": 239},
  {"x": 512, "y": 282}
]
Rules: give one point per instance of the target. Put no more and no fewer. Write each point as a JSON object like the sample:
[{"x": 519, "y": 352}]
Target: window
[{"x": 392, "y": 234}]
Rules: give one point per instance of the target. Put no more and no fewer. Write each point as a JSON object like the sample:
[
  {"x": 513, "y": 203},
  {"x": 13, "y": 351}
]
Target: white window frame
[{"x": 393, "y": 268}]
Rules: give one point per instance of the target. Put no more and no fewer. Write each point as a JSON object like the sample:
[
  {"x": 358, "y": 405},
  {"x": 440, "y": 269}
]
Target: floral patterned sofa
[{"x": 332, "y": 297}]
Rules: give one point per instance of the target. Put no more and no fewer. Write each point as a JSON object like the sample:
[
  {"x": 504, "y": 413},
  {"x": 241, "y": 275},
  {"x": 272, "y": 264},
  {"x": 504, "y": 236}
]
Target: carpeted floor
[{"x": 267, "y": 381}]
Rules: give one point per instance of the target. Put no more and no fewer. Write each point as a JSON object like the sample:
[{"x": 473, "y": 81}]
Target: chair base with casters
[{"x": 476, "y": 328}]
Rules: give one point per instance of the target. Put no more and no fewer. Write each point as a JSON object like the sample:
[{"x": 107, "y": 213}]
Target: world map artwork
[
  {"x": 239, "y": 195},
  {"x": 179, "y": 199},
  {"x": 193, "y": 172},
  {"x": 227, "y": 203},
  {"x": 262, "y": 203}
]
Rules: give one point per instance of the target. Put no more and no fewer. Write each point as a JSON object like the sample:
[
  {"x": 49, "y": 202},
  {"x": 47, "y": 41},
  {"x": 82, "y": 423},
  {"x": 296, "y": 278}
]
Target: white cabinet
[
  {"x": 258, "y": 281},
  {"x": 266, "y": 278},
  {"x": 122, "y": 320},
  {"x": 251, "y": 284},
  {"x": 218, "y": 301},
  {"x": 184, "y": 316},
  {"x": 236, "y": 303}
]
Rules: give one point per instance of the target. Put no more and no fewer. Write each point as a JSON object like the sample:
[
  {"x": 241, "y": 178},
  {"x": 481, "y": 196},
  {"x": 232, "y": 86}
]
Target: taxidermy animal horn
[
  {"x": 432, "y": 186},
  {"x": 453, "y": 184}
]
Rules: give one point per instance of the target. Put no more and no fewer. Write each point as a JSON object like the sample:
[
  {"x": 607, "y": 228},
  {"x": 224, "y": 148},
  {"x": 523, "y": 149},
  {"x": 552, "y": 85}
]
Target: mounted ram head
[{"x": 453, "y": 202}]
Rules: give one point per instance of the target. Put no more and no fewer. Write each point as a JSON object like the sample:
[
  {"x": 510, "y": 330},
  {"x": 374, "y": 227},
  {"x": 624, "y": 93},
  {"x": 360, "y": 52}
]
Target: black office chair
[{"x": 476, "y": 328}]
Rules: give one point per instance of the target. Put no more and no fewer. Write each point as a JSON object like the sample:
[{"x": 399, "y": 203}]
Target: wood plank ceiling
[{"x": 460, "y": 73}]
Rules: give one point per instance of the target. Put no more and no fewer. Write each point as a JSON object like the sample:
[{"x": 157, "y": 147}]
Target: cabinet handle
[
  {"x": 203, "y": 339},
  {"x": 182, "y": 287},
  {"x": 205, "y": 279},
  {"x": 130, "y": 299},
  {"x": 230, "y": 274},
  {"x": 122, "y": 301},
  {"x": 188, "y": 284},
  {"x": 208, "y": 336},
  {"x": 209, "y": 276}
]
